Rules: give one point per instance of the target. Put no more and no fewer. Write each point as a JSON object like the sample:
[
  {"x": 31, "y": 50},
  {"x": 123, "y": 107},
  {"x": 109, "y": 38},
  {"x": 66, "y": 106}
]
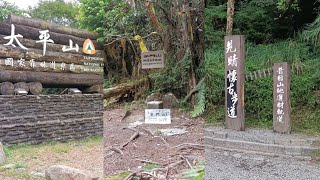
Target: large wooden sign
[
  {"x": 281, "y": 98},
  {"x": 35, "y": 50},
  {"x": 234, "y": 82},
  {"x": 152, "y": 60}
]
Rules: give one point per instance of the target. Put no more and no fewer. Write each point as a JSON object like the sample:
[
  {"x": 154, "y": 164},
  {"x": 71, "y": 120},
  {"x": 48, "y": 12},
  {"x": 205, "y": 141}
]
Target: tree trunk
[
  {"x": 230, "y": 13},
  {"x": 31, "y": 44},
  {"x": 122, "y": 88},
  {"x": 6, "y": 88},
  {"x": 94, "y": 89},
  {"x": 36, "y": 54},
  {"x": 37, "y": 23},
  {"x": 49, "y": 79},
  {"x": 35, "y": 88},
  {"x": 33, "y": 33},
  {"x": 78, "y": 69},
  {"x": 21, "y": 85}
]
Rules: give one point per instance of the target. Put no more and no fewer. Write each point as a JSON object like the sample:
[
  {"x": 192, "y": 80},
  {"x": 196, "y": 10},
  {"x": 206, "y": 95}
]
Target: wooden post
[
  {"x": 234, "y": 82},
  {"x": 281, "y": 98}
]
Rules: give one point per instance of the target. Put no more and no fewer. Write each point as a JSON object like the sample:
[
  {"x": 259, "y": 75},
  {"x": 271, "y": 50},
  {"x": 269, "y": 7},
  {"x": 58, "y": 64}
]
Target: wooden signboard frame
[{"x": 234, "y": 81}]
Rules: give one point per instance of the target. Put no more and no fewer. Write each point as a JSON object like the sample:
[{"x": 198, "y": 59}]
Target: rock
[
  {"x": 8, "y": 166},
  {"x": 154, "y": 97},
  {"x": 170, "y": 101},
  {"x": 155, "y": 105},
  {"x": 2, "y": 155},
  {"x": 38, "y": 174},
  {"x": 237, "y": 155},
  {"x": 172, "y": 132},
  {"x": 60, "y": 172}
]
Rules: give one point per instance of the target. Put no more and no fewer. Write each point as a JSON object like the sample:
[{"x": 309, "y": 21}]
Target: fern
[
  {"x": 200, "y": 101},
  {"x": 312, "y": 33}
]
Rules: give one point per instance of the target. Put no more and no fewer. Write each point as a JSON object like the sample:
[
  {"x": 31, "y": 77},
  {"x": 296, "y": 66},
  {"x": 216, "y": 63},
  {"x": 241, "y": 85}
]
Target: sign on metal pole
[
  {"x": 234, "y": 81},
  {"x": 152, "y": 59},
  {"x": 281, "y": 98}
]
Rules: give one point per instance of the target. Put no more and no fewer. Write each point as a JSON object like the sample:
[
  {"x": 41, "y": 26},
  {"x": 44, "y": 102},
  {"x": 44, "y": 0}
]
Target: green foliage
[
  {"x": 215, "y": 20},
  {"x": 312, "y": 33},
  {"x": 7, "y": 8},
  {"x": 197, "y": 173},
  {"x": 259, "y": 93},
  {"x": 174, "y": 77},
  {"x": 112, "y": 18},
  {"x": 56, "y": 11},
  {"x": 200, "y": 101}
]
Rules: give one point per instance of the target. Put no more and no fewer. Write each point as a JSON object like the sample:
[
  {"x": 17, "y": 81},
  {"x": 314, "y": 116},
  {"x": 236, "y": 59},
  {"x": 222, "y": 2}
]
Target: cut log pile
[{"x": 32, "y": 70}]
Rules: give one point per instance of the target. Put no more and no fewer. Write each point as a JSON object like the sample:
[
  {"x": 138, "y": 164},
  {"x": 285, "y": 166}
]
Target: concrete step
[
  {"x": 263, "y": 136},
  {"x": 263, "y": 142}
]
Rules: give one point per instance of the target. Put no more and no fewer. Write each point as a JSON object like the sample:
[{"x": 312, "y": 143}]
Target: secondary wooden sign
[
  {"x": 33, "y": 50},
  {"x": 281, "y": 98},
  {"x": 157, "y": 116},
  {"x": 234, "y": 81},
  {"x": 152, "y": 60}
]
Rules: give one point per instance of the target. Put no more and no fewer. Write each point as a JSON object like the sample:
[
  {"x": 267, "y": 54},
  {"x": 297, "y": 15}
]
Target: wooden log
[
  {"x": 36, "y": 54},
  {"x": 122, "y": 88},
  {"x": 35, "y": 88},
  {"x": 29, "y": 43},
  {"x": 6, "y": 88},
  {"x": 21, "y": 85},
  {"x": 49, "y": 79},
  {"x": 33, "y": 33},
  {"x": 50, "y": 67},
  {"x": 94, "y": 89},
  {"x": 37, "y": 23}
]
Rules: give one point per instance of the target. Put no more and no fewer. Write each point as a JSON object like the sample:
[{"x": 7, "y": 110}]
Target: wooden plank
[
  {"x": 234, "y": 82},
  {"x": 36, "y": 54},
  {"x": 50, "y": 79},
  {"x": 37, "y": 66},
  {"x": 29, "y": 43},
  {"x": 37, "y": 23},
  {"x": 281, "y": 98},
  {"x": 33, "y": 33}
]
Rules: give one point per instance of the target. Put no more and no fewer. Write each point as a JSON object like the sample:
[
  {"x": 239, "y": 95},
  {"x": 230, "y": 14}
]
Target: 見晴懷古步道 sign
[
  {"x": 234, "y": 82},
  {"x": 157, "y": 116},
  {"x": 152, "y": 59}
]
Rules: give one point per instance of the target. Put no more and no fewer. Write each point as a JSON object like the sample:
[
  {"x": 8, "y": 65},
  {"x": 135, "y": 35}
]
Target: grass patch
[
  {"x": 150, "y": 166},
  {"x": 23, "y": 156},
  {"x": 119, "y": 176}
]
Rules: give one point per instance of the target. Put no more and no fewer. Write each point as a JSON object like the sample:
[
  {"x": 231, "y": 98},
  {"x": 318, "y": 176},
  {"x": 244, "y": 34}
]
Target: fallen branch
[
  {"x": 196, "y": 89},
  {"x": 196, "y": 146},
  {"x": 116, "y": 150},
  {"x": 186, "y": 161},
  {"x": 147, "y": 161},
  {"x": 134, "y": 136}
]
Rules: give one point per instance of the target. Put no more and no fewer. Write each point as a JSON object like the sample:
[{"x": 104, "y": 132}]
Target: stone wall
[{"x": 36, "y": 119}]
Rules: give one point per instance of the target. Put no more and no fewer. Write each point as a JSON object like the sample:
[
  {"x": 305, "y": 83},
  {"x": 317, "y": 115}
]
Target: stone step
[
  {"x": 260, "y": 148},
  {"x": 263, "y": 136}
]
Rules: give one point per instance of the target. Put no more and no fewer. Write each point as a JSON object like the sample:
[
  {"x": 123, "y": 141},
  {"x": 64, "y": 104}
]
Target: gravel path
[{"x": 225, "y": 165}]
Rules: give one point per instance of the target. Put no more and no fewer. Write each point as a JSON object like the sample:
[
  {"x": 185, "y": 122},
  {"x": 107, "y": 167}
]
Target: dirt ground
[{"x": 146, "y": 149}]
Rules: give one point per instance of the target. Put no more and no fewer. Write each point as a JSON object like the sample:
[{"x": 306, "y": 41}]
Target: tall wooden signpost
[
  {"x": 281, "y": 98},
  {"x": 234, "y": 81}
]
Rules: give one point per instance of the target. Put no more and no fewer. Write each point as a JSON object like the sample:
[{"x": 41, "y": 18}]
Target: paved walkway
[{"x": 240, "y": 164}]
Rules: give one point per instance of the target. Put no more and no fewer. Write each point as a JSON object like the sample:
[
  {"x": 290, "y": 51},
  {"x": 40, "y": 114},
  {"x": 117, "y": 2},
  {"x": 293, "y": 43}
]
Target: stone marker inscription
[
  {"x": 281, "y": 100},
  {"x": 157, "y": 116},
  {"x": 234, "y": 82}
]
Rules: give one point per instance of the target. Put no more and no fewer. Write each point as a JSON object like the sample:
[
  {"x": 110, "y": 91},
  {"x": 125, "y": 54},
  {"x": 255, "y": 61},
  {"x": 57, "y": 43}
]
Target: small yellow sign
[{"x": 88, "y": 47}]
